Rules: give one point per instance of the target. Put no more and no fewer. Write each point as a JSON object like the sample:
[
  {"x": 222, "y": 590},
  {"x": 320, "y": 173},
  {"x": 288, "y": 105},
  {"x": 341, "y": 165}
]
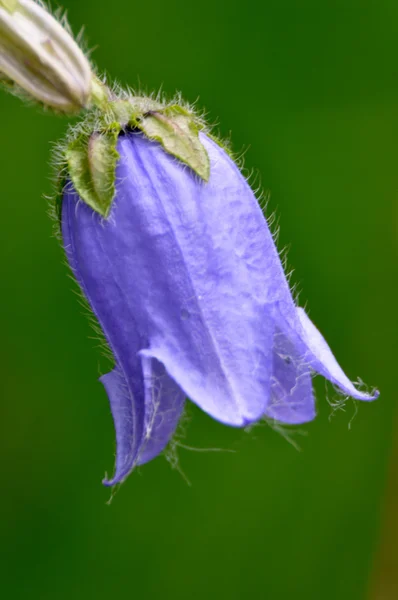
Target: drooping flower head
[
  {"x": 186, "y": 282},
  {"x": 173, "y": 254}
]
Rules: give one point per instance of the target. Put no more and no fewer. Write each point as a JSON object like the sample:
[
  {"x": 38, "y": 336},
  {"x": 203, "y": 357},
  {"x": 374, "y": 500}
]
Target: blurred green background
[{"x": 310, "y": 90}]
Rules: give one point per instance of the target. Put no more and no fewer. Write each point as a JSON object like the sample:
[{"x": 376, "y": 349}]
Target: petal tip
[
  {"x": 112, "y": 482},
  {"x": 367, "y": 397}
]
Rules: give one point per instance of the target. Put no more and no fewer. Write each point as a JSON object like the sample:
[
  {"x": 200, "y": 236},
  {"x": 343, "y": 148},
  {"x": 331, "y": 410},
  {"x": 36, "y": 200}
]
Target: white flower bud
[{"x": 41, "y": 57}]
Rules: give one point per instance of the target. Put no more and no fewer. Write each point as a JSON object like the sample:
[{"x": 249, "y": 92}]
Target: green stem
[{"x": 101, "y": 95}]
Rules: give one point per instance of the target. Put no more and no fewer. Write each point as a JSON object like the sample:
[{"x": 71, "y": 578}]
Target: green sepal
[
  {"x": 175, "y": 128},
  {"x": 128, "y": 111},
  {"x": 91, "y": 164}
]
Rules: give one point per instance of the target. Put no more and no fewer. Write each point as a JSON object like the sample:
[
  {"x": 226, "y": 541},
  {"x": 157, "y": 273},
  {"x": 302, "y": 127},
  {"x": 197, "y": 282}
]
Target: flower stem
[{"x": 101, "y": 95}]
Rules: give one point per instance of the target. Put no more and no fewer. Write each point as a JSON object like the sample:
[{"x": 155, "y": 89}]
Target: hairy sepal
[
  {"x": 176, "y": 129},
  {"x": 90, "y": 155},
  {"x": 91, "y": 164}
]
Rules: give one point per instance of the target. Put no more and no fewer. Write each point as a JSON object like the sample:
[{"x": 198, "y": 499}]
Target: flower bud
[{"x": 41, "y": 57}]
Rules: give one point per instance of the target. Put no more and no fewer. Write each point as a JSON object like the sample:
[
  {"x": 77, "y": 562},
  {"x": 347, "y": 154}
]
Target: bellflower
[
  {"x": 172, "y": 252},
  {"x": 188, "y": 287}
]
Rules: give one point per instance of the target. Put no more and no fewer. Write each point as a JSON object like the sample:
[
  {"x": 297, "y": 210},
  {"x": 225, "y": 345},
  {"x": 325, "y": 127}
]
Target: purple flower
[{"x": 187, "y": 285}]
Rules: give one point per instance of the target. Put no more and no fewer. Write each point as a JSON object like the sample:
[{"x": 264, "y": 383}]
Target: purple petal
[
  {"x": 185, "y": 274},
  {"x": 323, "y": 360},
  {"x": 163, "y": 401},
  {"x": 122, "y": 408},
  {"x": 128, "y": 385},
  {"x": 313, "y": 348},
  {"x": 189, "y": 278},
  {"x": 292, "y": 398}
]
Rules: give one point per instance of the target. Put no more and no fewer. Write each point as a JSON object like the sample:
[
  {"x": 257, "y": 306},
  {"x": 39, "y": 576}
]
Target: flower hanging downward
[
  {"x": 187, "y": 285},
  {"x": 172, "y": 251}
]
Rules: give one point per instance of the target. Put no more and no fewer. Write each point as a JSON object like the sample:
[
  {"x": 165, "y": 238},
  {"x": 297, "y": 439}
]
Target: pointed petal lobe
[
  {"x": 323, "y": 360},
  {"x": 163, "y": 401}
]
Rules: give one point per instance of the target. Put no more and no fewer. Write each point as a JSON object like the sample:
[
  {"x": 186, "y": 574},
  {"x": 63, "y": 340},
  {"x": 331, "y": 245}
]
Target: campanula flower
[
  {"x": 171, "y": 250},
  {"x": 187, "y": 285}
]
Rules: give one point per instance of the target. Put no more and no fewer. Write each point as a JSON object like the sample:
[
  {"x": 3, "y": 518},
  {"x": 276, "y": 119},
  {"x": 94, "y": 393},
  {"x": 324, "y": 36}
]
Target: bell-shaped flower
[{"x": 187, "y": 285}]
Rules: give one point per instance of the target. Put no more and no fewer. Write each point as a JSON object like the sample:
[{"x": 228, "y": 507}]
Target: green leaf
[
  {"x": 92, "y": 167},
  {"x": 178, "y": 133}
]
